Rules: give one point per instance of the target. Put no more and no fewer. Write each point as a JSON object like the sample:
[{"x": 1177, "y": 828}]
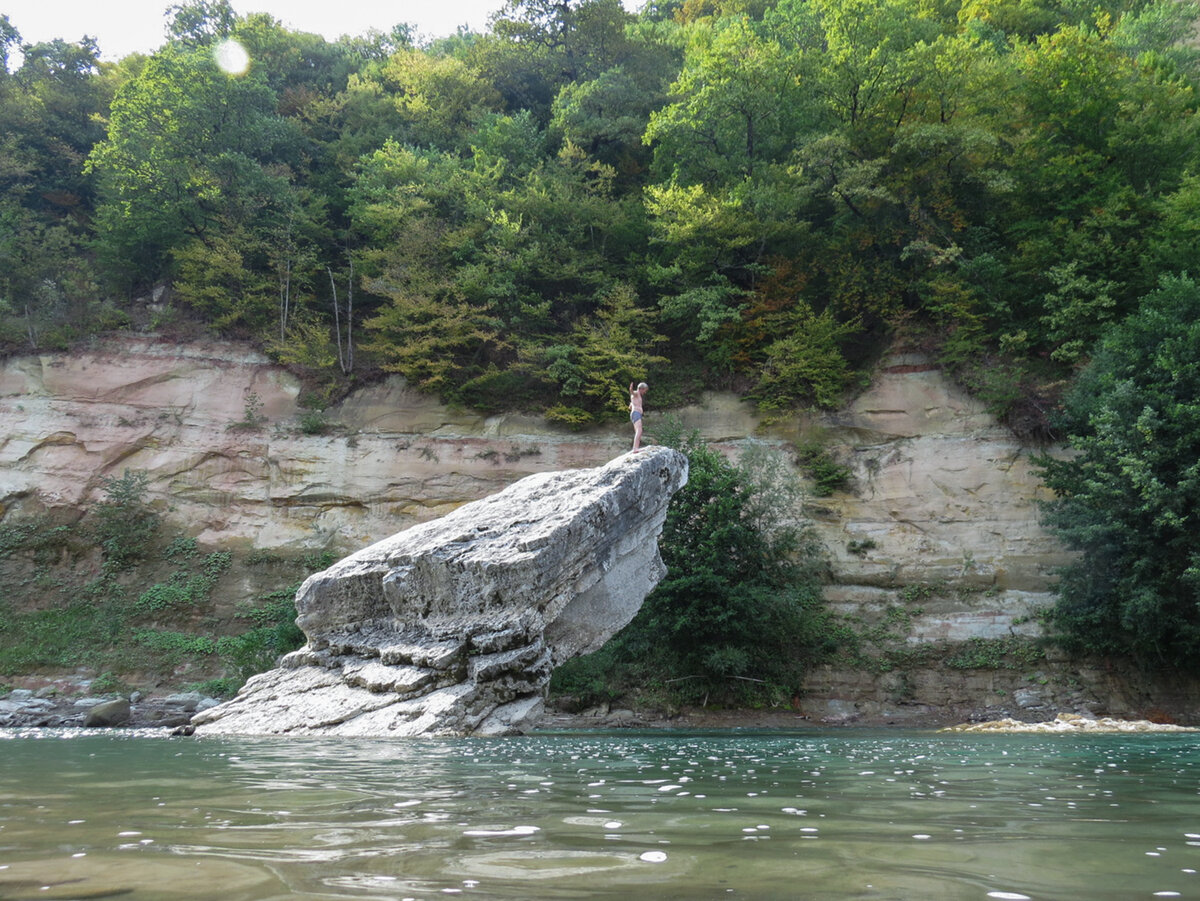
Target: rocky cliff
[{"x": 938, "y": 558}]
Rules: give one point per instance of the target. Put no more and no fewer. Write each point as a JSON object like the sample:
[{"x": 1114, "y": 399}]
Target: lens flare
[{"x": 231, "y": 57}]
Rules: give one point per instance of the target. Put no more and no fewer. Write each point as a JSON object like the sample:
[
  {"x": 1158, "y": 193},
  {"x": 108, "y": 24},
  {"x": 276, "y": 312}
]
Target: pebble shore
[{"x": 28, "y": 709}]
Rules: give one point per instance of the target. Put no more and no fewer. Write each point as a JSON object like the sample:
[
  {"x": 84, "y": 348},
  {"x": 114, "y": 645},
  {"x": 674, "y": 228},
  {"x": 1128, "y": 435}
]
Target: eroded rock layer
[{"x": 454, "y": 626}]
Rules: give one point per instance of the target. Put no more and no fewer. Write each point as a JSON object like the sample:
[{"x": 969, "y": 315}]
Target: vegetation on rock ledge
[
  {"x": 739, "y": 616},
  {"x": 116, "y": 598}
]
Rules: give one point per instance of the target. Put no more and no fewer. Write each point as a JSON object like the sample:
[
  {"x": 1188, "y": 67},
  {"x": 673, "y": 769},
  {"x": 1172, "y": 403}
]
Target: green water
[{"x": 813, "y": 815}]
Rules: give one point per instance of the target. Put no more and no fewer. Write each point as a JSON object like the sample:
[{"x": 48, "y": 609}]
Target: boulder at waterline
[
  {"x": 108, "y": 713},
  {"x": 453, "y": 627}
]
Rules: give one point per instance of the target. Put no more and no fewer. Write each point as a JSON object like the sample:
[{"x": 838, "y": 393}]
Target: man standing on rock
[{"x": 635, "y": 411}]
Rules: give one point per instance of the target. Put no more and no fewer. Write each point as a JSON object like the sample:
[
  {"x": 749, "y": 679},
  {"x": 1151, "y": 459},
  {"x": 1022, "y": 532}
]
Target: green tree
[
  {"x": 124, "y": 524},
  {"x": 485, "y": 265},
  {"x": 739, "y": 614},
  {"x": 200, "y": 22},
  {"x": 1128, "y": 496},
  {"x": 605, "y": 351},
  {"x": 438, "y": 98},
  {"x": 538, "y": 46},
  {"x": 184, "y": 138},
  {"x": 607, "y": 116},
  {"x": 1101, "y": 138},
  {"x": 51, "y": 111}
]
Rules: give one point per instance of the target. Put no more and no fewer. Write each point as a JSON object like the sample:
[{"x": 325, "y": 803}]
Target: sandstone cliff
[{"x": 936, "y": 544}]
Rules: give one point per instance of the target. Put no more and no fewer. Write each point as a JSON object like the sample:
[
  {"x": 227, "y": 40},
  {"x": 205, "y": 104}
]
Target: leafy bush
[
  {"x": 1128, "y": 498},
  {"x": 275, "y": 634},
  {"x": 313, "y": 422},
  {"x": 807, "y": 365},
  {"x": 1011, "y": 652},
  {"x": 36, "y": 535},
  {"x": 123, "y": 524},
  {"x": 183, "y": 589},
  {"x": 739, "y": 615},
  {"x": 828, "y": 474}
]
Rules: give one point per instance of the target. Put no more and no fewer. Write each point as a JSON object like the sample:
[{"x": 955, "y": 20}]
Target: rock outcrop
[
  {"x": 1070, "y": 723},
  {"x": 454, "y": 626},
  {"x": 936, "y": 540}
]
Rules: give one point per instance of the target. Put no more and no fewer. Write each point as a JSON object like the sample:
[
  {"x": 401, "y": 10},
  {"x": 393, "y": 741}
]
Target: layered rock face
[
  {"x": 217, "y": 429},
  {"x": 937, "y": 537},
  {"x": 454, "y": 626}
]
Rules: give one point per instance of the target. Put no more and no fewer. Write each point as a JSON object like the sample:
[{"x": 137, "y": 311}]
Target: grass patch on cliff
[
  {"x": 879, "y": 643},
  {"x": 113, "y": 594},
  {"x": 1010, "y": 652}
]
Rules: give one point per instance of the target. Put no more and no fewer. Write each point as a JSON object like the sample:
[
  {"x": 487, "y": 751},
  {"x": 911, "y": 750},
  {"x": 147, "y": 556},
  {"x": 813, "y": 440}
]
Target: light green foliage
[
  {"x": 438, "y": 98},
  {"x": 273, "y": 634},
  {"x": 609, "y": 349},
  {"x": 55, "y": 638},
  {"x": 1077, "y": 310},
  {"x": 741, "y": 105},
  {"x": 185, "y": 588},
  {"x": 252, "y": 418},
  {"x": 760, "y": 194},
  {"x": 779, "y": 187},
  {"x": 486, "y": 266},
  {"x": 1127, "y": 498},
  {"x": 807, "y": 366}
]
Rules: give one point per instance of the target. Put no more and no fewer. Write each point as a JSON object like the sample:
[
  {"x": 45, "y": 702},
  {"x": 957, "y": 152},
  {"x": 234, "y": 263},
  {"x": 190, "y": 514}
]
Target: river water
[{"x": 845, "y": 814}]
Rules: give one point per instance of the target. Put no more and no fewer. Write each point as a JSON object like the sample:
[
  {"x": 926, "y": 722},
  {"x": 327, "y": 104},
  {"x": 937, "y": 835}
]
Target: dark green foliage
[
  {"x": 997, "y": 653},
  {"x": 764, "y": 194},
  {"x": 827, "y": 473},
  {"x": 761, "y": 195},
  {"x": 37, "y": 536},
  {"x": 123, "y": 524},
  {"x": 1128, "y": 497},
  {"x": 51, "y": 114},
  {"x": 739, "y": 615}
]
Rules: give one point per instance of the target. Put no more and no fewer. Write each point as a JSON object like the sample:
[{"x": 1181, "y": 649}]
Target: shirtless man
[{"x": 636, "y": 393}]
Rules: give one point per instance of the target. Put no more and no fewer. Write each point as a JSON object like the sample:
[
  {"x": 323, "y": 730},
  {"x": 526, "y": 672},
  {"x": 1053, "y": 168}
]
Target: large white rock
[{"x": 454, "y": 626}]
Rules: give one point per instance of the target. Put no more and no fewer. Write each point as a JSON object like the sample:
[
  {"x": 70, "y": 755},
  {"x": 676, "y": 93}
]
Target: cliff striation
[{"x": 938, "y": 560}]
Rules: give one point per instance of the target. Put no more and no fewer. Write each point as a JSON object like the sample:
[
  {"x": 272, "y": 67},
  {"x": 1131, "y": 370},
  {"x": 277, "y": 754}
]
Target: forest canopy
[{"x": 739, "y": 193}]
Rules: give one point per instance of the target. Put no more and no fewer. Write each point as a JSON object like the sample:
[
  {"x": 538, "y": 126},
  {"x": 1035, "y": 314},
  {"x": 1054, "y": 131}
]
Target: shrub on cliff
[
  {"x": 739, "y": 615},
  {"x": 123, "y": 523},
  {"x": 1129, "y": 498}
]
